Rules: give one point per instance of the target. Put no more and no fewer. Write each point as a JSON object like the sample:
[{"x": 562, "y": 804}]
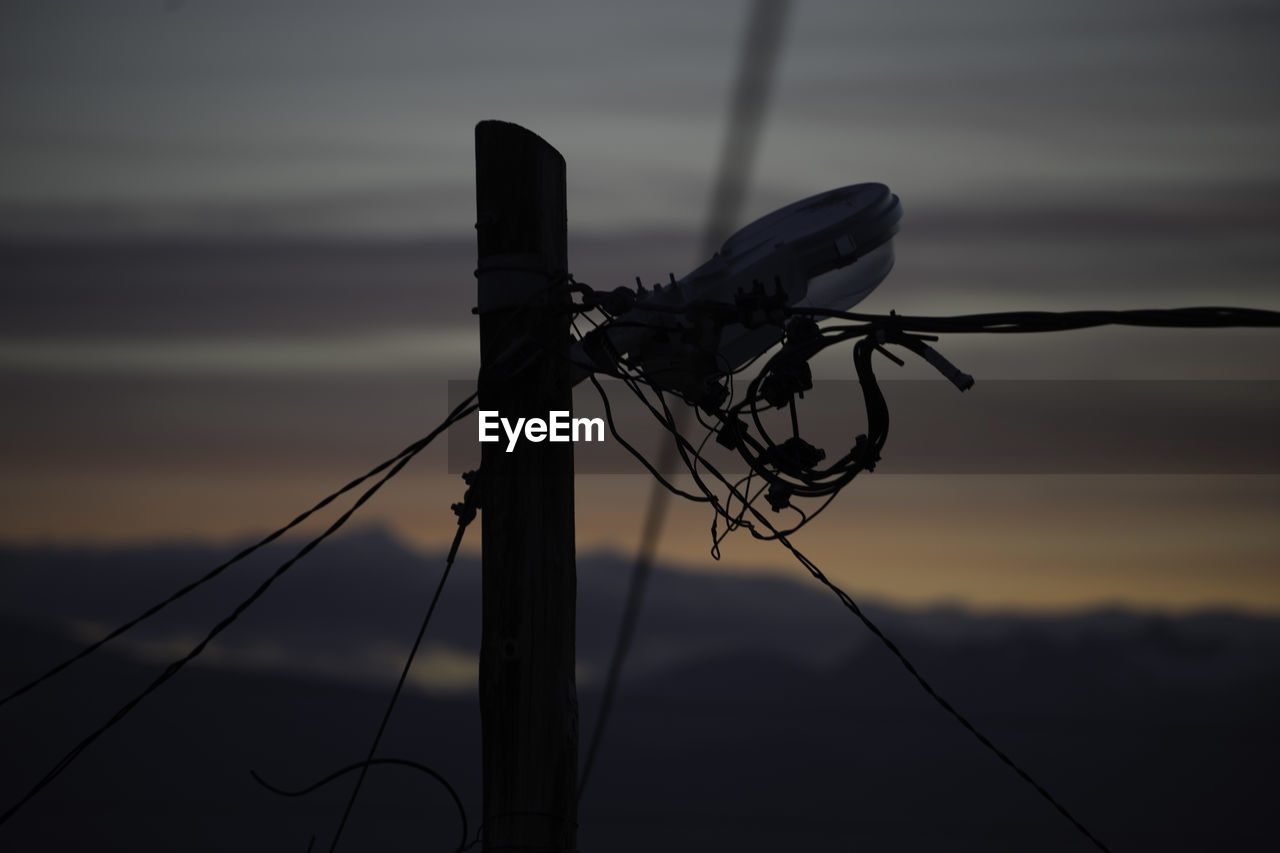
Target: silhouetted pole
[{"x": 528, "y": 696}]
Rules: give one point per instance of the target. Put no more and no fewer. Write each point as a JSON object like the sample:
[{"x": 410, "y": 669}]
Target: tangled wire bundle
[{"x": 678, "y": 354}]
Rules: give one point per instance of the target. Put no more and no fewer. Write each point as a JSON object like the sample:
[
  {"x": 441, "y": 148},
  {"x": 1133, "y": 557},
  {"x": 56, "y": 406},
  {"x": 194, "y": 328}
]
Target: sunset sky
[{"x": 237, "y": 249}]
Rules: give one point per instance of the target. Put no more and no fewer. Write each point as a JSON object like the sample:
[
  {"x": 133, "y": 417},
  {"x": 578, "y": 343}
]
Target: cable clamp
[
  {"x": 801, "y": 330},
  {"x": 466, "y": 510},
  {"x": 731, "y": 433},
  {"x": 866, "y": 454},
  {"x": 618, "y": 301},
  {"x": 779, "y": 496},
  {"x": 788, "y": 378},
  {"x": 795, "y": 455}
]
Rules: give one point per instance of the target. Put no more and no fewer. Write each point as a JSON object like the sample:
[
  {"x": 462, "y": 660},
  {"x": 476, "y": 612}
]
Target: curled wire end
[
  {"x": 889, "y": 332},
  {"x": 955, "y": 375},
  {"x": 403, "y": 762}
]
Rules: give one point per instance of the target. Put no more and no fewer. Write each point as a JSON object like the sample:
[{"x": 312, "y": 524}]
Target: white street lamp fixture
[{"x": 826, "y": 251}]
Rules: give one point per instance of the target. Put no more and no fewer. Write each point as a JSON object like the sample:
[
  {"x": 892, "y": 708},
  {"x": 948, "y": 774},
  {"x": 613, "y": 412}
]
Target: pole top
[{"x": 520, "y": 194}]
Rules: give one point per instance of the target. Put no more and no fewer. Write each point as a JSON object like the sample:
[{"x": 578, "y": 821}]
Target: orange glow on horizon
[{"x": 1173, "y": 543}]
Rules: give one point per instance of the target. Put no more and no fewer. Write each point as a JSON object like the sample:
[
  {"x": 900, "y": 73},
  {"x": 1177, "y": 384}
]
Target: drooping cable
[
  {"x": 466, "y": 512},
  {"x": 929, "y": 689},
  {"x": 462, "y": 410},
  {"x": 219, "y": 569},
  {"x": 853, "y": 607},
  {"x": 398, "y": 762},
  {"x": 872, "y": 335}
]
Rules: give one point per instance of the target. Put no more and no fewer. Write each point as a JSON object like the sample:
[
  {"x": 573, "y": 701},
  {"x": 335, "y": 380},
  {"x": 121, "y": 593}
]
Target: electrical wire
[
  {"x": 462, "y": 410},
  {"x": 399, "y": 762},
  {"x": 1203, "y": 317},
  {"x": 853, "y": 607},
  {"x": 757, "y": 66},
  {"x": 789, "y": 476},
  {"x": 796, "y": 471},
  {"x": 929, "y": 689},
  {"x": 466, "y": 512},
  {"x": 219, "y": 569}
]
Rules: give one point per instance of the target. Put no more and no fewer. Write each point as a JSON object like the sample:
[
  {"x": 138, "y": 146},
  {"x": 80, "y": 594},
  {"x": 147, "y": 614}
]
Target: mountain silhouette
[{"x": 758, "y": 715}]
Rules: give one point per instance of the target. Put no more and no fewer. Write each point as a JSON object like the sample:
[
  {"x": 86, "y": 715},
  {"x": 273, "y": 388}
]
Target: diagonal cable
[
  {"x": 455, "y": 415},
  {"x": 756, "y": 70},
  {"x": 176, "y": 666},
  {"x": 466, "y": 514},
  {"x": 686, "y": 447}
]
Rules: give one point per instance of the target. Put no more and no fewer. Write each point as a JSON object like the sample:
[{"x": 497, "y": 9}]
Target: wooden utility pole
[{"x": 528, "y": 696}]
